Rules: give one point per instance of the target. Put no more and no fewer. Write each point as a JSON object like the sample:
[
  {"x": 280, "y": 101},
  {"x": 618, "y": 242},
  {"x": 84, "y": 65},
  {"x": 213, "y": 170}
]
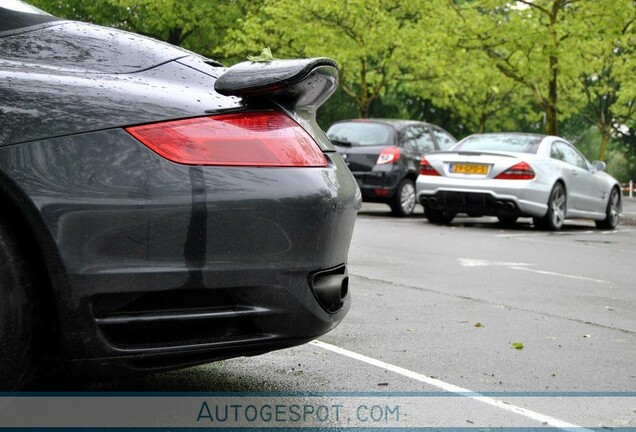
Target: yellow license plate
[{"x": 469, "y": 168}]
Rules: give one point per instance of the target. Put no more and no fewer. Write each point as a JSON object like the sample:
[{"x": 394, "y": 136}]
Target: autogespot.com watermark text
[
  {"x": 297, "y": 413},
  {"x": 321, "y": 411}
]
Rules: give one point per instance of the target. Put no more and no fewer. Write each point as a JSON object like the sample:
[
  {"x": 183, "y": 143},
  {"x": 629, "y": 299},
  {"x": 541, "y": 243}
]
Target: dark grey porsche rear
[{"x": 150, "y": 263}]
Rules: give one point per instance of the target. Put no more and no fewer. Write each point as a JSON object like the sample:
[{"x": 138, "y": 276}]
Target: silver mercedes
[{"x": 512, "y": 175}]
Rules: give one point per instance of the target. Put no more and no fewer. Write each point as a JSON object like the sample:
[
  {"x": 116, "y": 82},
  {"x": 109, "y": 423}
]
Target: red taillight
[
  {"x": 427, "y": 169},
  {"x": 388, "y": 155},
  {"x": 383, "y": 192},
  {"x": 244, "y": 139},
  {"x": 520, "y": 171}
]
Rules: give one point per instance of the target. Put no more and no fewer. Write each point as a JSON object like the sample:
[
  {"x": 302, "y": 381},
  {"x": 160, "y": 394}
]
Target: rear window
[
  {"x": 358, "y": 133},
  {"x": 500, "y": 142}
]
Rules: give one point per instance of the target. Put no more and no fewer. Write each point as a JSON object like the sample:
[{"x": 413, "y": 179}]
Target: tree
[
  {"x": 477, "y": 65},
  {"x": 606, "y": 80},
  {"x": 372, "y": 40},
  {"x": 103, "y": 13},
  {"x": 534, "y": 43},
  {"x": 200, "y": 26},
  {"x": 477, "y": 92}
]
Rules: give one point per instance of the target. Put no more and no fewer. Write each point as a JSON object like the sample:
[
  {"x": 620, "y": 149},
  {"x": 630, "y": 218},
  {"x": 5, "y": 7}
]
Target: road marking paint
[
  {"x": 522, "y": 235},
  {"x": 451, "y": 388},
  {"x": 468, "y": 262},
  {"x": 566, "y": 233},
  {"x": 569, "y": 276}
]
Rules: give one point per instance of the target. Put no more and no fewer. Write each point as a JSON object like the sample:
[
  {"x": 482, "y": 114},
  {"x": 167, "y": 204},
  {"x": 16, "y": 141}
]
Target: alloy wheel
[
  {"x": 558, "y": 206},
  {"x": 407, "y": 198}
]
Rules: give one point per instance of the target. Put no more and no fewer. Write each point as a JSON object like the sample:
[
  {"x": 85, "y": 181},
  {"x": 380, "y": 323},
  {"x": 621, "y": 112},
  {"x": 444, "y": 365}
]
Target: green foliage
[
  {"x": 194, "y": 24},
  {"x": 103, "y": 13},
  {"x": 339, "y": 106},
  {"x": 620, "y": 164},
  {"x": 369, "y": 39},
  {"x": 408, "y": 106},
  {"x": 265, "y": 56},
  {"x": 468, "y": 65}
]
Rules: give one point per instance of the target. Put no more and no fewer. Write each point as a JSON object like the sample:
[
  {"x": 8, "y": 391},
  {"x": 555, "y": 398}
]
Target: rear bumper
[
  {"x": 230, "y": 314},
  {"x": 157, "y": 265},
  {"x": 471, "y": 203},
  {"x": 484, "y": 197}
]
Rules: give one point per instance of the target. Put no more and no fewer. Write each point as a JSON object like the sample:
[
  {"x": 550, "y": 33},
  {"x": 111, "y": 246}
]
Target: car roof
[
  {"x": 396, "y": 123},
  {"x": 528, "y": 134}
]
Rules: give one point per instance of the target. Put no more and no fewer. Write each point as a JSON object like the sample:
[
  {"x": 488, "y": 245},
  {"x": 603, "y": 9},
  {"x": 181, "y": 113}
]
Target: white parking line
[
  {"x": 533, "y": 415},
  {"x": 564, "y": 275},
  {"x": 469, "y": 262},
  {"x": 565, "y": 233}
]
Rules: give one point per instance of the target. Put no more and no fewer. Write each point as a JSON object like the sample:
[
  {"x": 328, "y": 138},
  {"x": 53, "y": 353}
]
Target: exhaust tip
[
  {"x": 428, "y": 201},
  {"x": 330, "y": 288}
]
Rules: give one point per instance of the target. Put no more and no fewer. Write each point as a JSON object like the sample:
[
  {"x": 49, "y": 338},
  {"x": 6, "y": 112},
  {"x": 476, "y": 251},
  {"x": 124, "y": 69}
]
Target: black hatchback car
[
  {"x": 158, "y": 209},
  {"x": 384, "y": 156}
]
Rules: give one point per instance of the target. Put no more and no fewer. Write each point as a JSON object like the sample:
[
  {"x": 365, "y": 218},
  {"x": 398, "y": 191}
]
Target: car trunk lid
[
  {"x": 474, "y": 164},
  {"x": 359, "y": 158}
]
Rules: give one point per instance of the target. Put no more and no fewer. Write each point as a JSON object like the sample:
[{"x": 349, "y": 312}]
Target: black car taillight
[
  {"x": 520, "y": 171},
  {"x": 264, "y": 139},
  {"x": 427, "y": 169},
  {"x": 389, "y": 155}
]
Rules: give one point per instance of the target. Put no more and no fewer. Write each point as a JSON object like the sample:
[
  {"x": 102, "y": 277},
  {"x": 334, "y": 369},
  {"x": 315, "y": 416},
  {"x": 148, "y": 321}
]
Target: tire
[
  {"x": 20, "y": 314},
  {"x": 612, "y": 212},
  {"x": 557, "y": 207},
  {"x": 403, "y": 202},
  {"x": 438, "y": 216}
]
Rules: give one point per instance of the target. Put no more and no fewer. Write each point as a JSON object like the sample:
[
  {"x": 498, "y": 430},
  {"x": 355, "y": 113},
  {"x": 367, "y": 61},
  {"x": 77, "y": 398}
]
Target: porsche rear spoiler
[{"x": 301, "y": 83}]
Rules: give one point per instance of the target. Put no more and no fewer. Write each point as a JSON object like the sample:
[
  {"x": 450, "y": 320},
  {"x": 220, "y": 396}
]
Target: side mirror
[{"x": 599, "y": 165}]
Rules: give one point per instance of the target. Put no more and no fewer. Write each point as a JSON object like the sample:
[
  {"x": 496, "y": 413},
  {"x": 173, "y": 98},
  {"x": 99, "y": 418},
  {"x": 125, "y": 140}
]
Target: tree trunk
[
  {"x": 363, "y": 109},
  {"x": 175, "y": 36},
  {"x": 551, "y": 112},
  {"x": 551, "y": 104},
  {"x": 605, "y": 137}
]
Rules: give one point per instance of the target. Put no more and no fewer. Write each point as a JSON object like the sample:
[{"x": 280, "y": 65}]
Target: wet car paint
[{"x": 154, "y": 264}]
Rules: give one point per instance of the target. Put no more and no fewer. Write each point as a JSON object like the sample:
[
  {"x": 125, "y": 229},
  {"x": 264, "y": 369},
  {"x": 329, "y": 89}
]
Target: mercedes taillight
[
  {"x": 427, "y": 169},
  {"x": 520, "y": 171}
]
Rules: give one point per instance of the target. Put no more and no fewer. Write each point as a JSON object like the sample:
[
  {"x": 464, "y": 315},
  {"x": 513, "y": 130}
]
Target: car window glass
[
  {"x": 582, "y": 160},
  {"x": 419, "y": 139},
  {"x": 556, "y": 153},
  {"x": 500, "y": 142},
  {"x": 407, "y": 140},
  {"x": 360, "y": 133},
  {"x": 444, "y": 140},
  {"x": 568, "y": 154}
]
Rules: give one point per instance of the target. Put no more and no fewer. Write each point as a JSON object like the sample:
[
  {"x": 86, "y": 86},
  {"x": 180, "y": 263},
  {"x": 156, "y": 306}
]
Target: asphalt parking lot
[{"x": 470, "y": 307}]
